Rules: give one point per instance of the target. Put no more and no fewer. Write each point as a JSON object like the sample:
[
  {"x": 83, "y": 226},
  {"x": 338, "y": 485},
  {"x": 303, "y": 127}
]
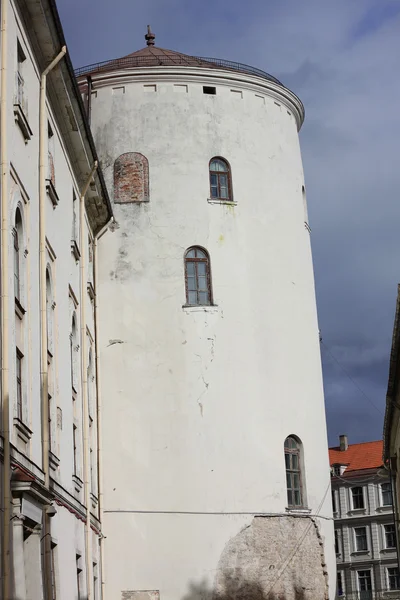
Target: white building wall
[
  {"x": 198, "y": 401},
  {"x": 67, "y": 525}
]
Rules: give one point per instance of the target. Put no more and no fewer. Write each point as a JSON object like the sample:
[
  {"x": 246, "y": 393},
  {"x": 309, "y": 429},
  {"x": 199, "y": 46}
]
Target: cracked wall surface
[{"x": 281, "y": 556}]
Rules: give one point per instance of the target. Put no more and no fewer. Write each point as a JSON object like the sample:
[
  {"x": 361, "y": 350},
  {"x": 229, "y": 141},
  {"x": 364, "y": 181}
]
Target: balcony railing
[{"x": 173, "y": 59}]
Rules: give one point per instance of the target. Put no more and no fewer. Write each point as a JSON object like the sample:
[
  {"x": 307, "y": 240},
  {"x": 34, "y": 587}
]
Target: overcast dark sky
[{"x": 342, "y": 58}]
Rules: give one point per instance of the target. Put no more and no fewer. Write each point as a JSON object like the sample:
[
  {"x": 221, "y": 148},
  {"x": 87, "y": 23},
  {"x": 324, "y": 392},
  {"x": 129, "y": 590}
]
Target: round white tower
[{"x": 208, "y": 336}]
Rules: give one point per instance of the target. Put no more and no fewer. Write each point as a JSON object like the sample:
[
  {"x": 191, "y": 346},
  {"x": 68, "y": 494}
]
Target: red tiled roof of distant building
[{"x": 357, "y": 457}]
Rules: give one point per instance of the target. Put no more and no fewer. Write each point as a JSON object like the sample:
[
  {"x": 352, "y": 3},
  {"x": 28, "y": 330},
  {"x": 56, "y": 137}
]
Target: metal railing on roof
[{"x": 171, "y": 60}]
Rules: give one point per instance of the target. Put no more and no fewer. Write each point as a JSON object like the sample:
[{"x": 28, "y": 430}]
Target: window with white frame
[
  {"x": 364, "y": 584},
  {"x": 390, "y": 535},
  {"x": 357, "y": 497},
  {"x": 361, "y": 539},
  {"x": 386, "y": 493},
  {"x": 393, "y": 578}
]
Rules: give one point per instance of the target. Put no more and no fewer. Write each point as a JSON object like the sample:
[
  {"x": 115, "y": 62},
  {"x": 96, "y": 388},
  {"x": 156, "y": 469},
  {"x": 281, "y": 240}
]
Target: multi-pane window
[
  {"x": 74, "y": 442},
  {"x": 337, "y": 548},
  {"x": 386, "y": 489},
  {"x": 340, "y": 589},
  {"x": 53, "y": 572},
  {"x": 334, "y": 501},
  {"x": 357, "y": 495},
  {"x": 17, "y": 238},
  {"x": 293, "y": 472},
  {"x": 220, "y": 179},
  {"x": 78, "y": 575},
  {"x": 364, "y": 584},
  {"x": 197, "y": 277},
  {"x": 393, "y": 578},
  {"x": 390, "y": 536},
  {"x": 19, "y": 358},
  {"x": 361, "y": 539},
  {"x": 20, "y": 78},
  {"x": 16, "y": 265}
]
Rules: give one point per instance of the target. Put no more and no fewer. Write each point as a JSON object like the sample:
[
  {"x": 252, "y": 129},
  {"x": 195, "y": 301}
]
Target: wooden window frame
[
  {"x": 217, "y": 175},
  {"x": 291, "y": 471},
  {"x": 196, "y": 260}
]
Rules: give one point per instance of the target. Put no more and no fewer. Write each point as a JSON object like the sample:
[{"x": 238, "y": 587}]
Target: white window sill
[
  {"x": 388, "y": 550},
  {"x": 385, "y": 508},
  {"x": 298, "y": 511},
  {"x": 220, "y": 201},
  {"x": 357, "y": 511},
  {"x": 360, "y": 553},
  {"x": 211, "y": 308}
]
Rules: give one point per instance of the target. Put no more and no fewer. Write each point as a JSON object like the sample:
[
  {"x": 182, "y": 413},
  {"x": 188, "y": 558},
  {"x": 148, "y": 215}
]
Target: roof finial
[{"x": 149, "y": 37}]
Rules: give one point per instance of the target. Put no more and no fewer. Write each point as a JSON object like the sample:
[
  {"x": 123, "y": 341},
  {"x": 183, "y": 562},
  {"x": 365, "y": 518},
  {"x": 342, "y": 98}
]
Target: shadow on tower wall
[{"x": 239, "y": 589}]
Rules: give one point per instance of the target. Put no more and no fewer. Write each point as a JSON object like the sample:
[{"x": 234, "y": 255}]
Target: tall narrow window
[
  {"x": 17, "y": 235},
  {"x": 78, "y": 575},
  {"x": 20, "y": 75},
  {"x": 197, "y": 277},
  {"x": 364, "y": 585},
  {"x": 53, "y": 571},
  {"x": 51, "y": 150},
  {"x": 339, "y": 584},
  {"x": 19, "y": 358},
  {"x": 72, "y": 346},
  {"x": 386, "y": 489},
  {"x": 49, "y": 313},
  {"x": 361, "y": 539},
  {"x": 74, "y": 441},
  {"x": 293, "y": 472},
  {"x": 393, "y": 578},
  {"x": 390, "y": 536},
  {"x": 337, "y": 549},
  {"x": 220, "y": 179},
  {"x": 357, "y": 496}
]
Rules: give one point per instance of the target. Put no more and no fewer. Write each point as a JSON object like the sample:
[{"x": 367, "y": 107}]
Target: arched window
[
  {"x": 17, "y": 235},
  {"x": 220, "y": 179},
  {"x": 197, "y": 277},
  {"x": 294, "y": 483},
  {"x": 131, "y": 178}
]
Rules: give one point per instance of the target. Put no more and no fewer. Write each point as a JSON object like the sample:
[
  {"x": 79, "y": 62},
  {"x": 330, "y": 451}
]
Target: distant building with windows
[{"x": 365, "y": 536}]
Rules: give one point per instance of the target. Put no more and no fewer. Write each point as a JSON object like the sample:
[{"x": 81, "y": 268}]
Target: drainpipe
[
  {"x": 89, "y": 98},
  {"x": 86, "y": 440},
  {"x": 43, "y": 165},
  {"x": 4, "y": 309},
  {"x": 99, "y": 410}
]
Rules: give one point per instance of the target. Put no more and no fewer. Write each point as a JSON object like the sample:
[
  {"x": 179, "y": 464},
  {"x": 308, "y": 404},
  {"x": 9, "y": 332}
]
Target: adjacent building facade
[
  {"x": 53, "y": 205},
  {"x": 391, "y": 428},
  {"x": 365, "y": 531},
  {"x": 215, "y": 462}
]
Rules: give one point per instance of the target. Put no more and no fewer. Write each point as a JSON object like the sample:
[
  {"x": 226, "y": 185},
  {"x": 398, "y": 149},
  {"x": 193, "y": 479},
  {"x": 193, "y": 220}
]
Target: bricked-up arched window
[
  {"x": 294, "y": 484},
  {"x": 197, "y": 277},
  {"x": 220, "y": 179},
  {"x": 131, "y": 178}
]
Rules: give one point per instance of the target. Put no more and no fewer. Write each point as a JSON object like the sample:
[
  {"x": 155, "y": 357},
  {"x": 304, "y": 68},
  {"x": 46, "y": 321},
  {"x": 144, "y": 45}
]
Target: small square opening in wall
[
  {"x": 180, "y": 88},
  {"x": 118, "y": 91},
  {"x": 209, "y": 90},
  {"x": 237, "y": 94},
  {"x": 149, "y": 88}
]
